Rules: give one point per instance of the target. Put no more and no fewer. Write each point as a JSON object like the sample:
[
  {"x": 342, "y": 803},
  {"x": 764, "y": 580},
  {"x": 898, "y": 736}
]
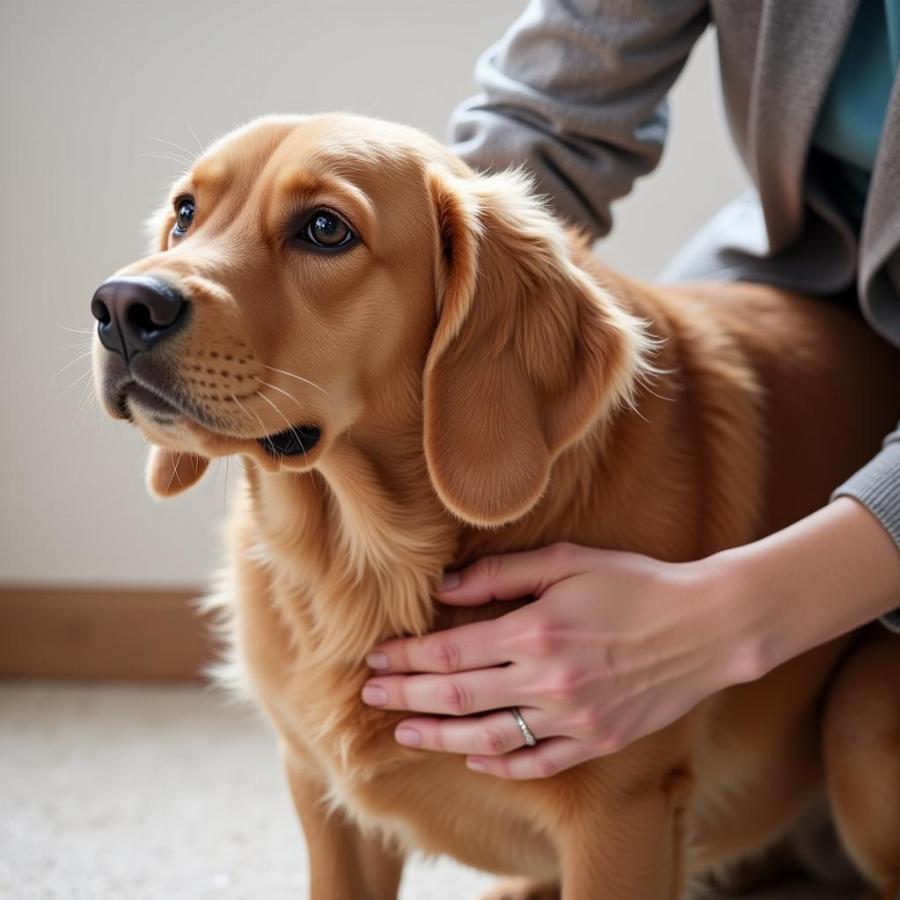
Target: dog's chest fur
[
  {"x": 302, "y": 626},
  {"x": 314, "y": 699}
]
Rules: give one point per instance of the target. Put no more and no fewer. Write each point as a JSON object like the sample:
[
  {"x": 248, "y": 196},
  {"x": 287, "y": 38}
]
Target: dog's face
[
  {"x": 318, "y": 274},
  {"x": 292, "y": 261}
]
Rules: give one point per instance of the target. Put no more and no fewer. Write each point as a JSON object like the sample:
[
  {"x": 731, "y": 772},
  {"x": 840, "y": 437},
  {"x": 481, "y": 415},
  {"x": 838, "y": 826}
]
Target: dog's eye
[
  {"x": 327, "y": 230},
  {"x": 184, "y": 214}
]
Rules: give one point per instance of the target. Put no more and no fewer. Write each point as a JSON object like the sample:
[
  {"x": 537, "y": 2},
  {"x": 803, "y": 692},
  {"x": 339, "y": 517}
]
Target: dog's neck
[{"x": 364, "y": 539}]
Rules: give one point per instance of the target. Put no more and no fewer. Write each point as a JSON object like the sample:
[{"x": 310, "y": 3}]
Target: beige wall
[{"x": 84, "y": 88}]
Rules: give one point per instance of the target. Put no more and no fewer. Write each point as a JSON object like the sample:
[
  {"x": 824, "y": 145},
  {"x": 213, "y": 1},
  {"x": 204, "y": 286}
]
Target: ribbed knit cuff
[{"x": 877, "y": 487}]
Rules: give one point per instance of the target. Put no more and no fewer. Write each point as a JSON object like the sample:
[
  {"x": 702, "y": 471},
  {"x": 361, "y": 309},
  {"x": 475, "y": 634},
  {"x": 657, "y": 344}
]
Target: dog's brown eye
[
  {"x": 327, "y": 229},
  {"x": 184, "y": 214}
]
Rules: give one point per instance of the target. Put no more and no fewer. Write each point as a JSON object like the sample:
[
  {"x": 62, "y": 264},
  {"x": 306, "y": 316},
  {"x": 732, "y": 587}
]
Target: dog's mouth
[{"x": 292, "y": 441}]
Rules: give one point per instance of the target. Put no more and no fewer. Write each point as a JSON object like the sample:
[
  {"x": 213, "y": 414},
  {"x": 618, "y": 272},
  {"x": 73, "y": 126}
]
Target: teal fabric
[{"x": 852, "y": 115}]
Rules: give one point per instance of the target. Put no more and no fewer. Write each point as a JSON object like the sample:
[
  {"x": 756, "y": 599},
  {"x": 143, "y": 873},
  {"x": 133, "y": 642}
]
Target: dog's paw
[{"x": 522, "y": 889}]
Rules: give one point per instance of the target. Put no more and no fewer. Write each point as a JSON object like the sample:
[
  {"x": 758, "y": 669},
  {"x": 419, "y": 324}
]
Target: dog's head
[{"x": 313, "y": 275}]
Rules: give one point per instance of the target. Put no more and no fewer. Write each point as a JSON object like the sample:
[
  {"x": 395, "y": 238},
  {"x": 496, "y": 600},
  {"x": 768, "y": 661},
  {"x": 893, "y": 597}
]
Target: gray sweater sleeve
[
  {"x": 575, "y": 91},
  {"x": 877, "y": 487}
]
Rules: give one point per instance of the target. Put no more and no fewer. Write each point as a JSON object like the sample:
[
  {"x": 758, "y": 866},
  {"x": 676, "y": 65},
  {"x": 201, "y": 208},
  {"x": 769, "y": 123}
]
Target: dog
[{"x": 420, "y": 366}]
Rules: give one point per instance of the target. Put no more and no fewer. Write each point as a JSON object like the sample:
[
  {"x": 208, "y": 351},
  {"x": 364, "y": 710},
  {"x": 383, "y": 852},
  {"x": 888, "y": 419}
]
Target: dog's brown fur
[{"x": 483, "y": 385}]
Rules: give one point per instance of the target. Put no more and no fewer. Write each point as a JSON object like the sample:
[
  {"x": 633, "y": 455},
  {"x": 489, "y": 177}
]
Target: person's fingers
[
  {"x": 453, "y": 695},
  {"x": 491, "y": 734},
  {"x": 511, "y": 575},
  {"x": 547, "y": 758},
  {"x": 474, "y": 646}
]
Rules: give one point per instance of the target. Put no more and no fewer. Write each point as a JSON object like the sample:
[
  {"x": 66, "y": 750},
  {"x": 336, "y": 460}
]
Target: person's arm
[
  {"x": 618, "y": 645},
  {"x": 820, "y": 578},
  {"x": 877, "y": 486},
  {"x": 575, "y": 92}
]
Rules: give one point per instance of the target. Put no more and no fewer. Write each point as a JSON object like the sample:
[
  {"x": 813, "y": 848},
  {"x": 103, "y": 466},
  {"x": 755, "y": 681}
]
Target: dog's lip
[
  {"x": 292, "y": 441},
  {"x": 296, "y": 441},
  {"x": 147, "y": 386},
  {"x": 159, "y": 407}
]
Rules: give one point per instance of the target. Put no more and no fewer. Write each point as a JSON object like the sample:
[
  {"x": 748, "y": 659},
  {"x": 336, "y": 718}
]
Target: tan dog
[{"x": 420, "y": 366}]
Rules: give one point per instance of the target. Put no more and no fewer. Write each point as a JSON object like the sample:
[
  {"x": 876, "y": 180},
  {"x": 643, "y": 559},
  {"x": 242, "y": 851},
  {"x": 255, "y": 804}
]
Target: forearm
[{"x": 822, "y": 577}]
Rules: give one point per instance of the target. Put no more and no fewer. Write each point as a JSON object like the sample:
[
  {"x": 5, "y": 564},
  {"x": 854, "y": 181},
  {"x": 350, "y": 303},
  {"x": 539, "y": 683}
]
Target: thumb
[{"x": 511, "y": 575}]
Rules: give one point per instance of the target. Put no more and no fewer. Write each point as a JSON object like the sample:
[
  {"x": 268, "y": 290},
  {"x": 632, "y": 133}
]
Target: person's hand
[
  {"x": 618, "y": 645},
  {"x": 615, "y": 646}
]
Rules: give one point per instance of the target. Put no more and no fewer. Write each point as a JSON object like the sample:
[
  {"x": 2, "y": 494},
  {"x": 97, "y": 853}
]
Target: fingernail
[
  {"x": 377, "y": 661},
  {"x": 450, "y": 581},
  {"x": 374, "y": 695},
  {"x": 476, "y": 766},
  {"x": 409, "y": 737}
]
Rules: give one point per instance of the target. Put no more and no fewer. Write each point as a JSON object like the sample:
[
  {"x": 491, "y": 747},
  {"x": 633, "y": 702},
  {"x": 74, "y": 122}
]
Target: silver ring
[{"x": 530, "y": 739}]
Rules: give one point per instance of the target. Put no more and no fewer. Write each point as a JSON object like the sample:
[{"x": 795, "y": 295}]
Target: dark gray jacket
[{"x": 576, "y": 90}]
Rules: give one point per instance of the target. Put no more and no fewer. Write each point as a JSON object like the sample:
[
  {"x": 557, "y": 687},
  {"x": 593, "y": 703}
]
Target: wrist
[
  {"x": 812, "y": 582},
  {"x": 753, "y": 599},
  {"x": 737, "y": 617}
]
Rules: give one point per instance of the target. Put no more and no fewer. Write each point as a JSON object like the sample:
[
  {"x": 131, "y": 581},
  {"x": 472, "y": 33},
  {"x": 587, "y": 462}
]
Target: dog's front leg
[
  {"x": 343, "y": 863},
  {"x": 629, "y": 849}
]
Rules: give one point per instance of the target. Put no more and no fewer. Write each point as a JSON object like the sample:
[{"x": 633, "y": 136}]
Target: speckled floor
[{"x": 145, "y": 793}]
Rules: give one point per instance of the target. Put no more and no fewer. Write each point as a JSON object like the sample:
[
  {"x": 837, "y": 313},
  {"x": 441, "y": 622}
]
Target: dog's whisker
[
  {"x": 88, "y": 331},
  {"x": 202, "y": 148},
  {"x": 250, "y": 412},
  {"x": 275, "y": 387},
  {"x": 78, "y": 380},
  {"x": 169, "y": 158},
  {"x": 179, "y": 153},
  {"x": 189, "y": 153},
  {"x": 298, "y": 377},
  {"x": 292, "y": 428},
  {"x": 87, "y": 400},
  {"x": 88, "y": 395},
  {"x": 73, "y": 361}
]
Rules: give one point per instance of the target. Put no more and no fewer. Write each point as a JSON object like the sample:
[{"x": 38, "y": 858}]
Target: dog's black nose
[{"x": 135, "y": 312}]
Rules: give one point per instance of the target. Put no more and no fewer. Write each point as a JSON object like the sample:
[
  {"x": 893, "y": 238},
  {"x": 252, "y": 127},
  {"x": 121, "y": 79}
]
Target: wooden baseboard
[{"x": 114, "y": 634}]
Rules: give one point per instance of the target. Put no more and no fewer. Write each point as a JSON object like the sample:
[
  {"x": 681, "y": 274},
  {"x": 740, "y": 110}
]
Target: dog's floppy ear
[
  {"x": 528, "y": 352},
  {"x": 169, "y": 472}
]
